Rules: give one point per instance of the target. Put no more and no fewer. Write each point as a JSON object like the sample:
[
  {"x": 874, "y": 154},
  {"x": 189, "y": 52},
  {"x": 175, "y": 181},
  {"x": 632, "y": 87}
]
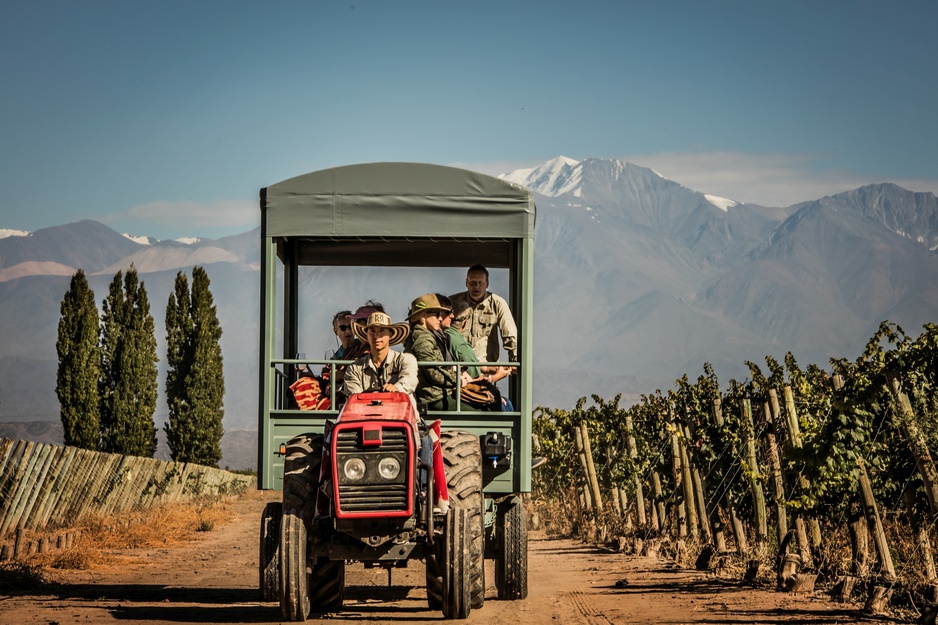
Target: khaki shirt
[
  {"x": 399, "y": 369},
  {"x": 489, "y": 317}
]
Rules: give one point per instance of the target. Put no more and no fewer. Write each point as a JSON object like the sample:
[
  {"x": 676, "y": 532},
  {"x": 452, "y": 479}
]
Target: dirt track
[{"x": 214, "y": 580}]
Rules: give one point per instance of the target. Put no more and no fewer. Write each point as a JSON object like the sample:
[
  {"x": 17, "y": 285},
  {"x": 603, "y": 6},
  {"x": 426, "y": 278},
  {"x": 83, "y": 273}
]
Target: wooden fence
[{"x": 43, "y": 487}]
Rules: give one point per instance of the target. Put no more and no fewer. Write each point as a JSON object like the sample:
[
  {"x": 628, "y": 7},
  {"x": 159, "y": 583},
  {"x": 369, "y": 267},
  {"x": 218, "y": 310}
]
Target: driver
[{"x": 383, "y": 369}]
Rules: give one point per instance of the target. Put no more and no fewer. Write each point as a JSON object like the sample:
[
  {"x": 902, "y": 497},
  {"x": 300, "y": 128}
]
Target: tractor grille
[{"x": 373, "y": 494}]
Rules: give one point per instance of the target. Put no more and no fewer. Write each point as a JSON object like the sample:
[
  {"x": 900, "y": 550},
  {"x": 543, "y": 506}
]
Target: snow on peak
[
  {"x": 188, "y": 240},
  {"x": 555, "y": 177},
  {"x": 720, "y": 202},
  {"x": 6, "y": 232},
  {"x": 142, "y": 239}
]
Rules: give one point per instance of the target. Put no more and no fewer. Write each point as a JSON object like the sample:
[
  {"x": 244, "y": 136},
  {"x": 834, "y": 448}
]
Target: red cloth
[
  {"x": 440, "y": 491},
  {"x": 308, "y": 394}
]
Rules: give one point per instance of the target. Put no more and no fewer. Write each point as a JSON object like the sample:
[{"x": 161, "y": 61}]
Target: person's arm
[
  {"x": 354, "y": 379},
  {"x": 406, "y": 376},
  {"x": 507, "y": 328}
]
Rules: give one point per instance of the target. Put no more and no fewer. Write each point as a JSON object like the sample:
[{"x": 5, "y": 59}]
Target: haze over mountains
[{"x": 638, "y": 280}]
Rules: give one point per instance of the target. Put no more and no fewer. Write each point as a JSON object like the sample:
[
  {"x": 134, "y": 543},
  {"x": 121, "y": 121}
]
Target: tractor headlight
[
  {"x": 354, "y": 469},
  {"x": 389, "y": 468}
]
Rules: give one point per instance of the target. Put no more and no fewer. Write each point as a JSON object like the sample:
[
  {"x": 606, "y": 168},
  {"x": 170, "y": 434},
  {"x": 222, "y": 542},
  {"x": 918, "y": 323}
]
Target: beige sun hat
[
  {"x": 430, "y": 301},
  {"x": 399, "y": 331}
]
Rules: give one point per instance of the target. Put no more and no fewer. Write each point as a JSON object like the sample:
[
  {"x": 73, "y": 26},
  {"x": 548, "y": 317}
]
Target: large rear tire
[
  {"x": 300, "y": 483},
  {"x": 456, "y": 560},
  {"x": 511, "y": 556},
  {"x": 269, "y": 562},
  {"x": 462, "y": 460}
]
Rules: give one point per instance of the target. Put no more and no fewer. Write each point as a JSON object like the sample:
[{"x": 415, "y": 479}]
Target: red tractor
[{"x": 365, "y": 491}]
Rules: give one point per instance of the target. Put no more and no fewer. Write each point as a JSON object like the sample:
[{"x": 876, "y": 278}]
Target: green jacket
[
  {"x": 432, "y": 382},
  {"x": 462, "y": 351}
]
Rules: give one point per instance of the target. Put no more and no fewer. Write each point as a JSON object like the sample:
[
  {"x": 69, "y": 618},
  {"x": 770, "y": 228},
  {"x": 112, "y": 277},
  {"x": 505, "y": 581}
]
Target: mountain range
[{"x": 638, "y": 280}]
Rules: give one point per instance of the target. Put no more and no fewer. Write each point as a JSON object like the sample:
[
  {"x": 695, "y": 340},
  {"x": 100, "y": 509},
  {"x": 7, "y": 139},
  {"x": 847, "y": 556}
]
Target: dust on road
[{"x": 215, "y": 580}]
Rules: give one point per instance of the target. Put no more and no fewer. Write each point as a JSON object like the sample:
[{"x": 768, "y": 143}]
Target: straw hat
[
  {"x": 430, "y": 301},
  {"x": 399, "y": 331}
]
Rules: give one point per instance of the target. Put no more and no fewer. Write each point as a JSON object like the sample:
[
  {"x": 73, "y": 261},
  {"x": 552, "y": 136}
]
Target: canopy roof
[{"x": 388, "y": 200}]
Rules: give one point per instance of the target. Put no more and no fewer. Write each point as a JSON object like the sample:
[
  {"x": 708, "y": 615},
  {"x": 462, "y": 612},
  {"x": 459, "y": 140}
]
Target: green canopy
[{"x": 412, "y": 200}]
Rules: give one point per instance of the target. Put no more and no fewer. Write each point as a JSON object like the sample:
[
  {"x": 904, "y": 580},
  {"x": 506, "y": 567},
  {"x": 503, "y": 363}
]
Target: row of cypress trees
[{"x": 107, "y": 376}]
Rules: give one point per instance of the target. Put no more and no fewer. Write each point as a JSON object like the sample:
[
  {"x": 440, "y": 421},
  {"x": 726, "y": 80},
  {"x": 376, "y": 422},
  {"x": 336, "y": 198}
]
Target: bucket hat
[
  {"x": 430, "y": 301},
  {"x": 362, "y": 313},
  {"x": 399, "y": 331}
]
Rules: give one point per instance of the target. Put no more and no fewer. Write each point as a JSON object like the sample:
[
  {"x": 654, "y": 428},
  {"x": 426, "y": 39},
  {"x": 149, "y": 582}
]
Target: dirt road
[{"x": 214, "y": 580}]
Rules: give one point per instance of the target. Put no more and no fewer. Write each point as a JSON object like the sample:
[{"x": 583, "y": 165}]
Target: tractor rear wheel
[
  {"x": 462, "y": 461},
  {"x": 511, "y": 555},
  {"x": 269, "y": 563}
]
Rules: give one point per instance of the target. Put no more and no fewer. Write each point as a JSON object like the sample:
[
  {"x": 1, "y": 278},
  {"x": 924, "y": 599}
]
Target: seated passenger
[
  {"x": 462, "y": 351},
  {"x": 382, "y": 369},
  {"x": 436, "y": 385}
]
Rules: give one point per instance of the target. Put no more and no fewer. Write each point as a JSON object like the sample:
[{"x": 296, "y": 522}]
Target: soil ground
[{"x": 214, "y": 580}]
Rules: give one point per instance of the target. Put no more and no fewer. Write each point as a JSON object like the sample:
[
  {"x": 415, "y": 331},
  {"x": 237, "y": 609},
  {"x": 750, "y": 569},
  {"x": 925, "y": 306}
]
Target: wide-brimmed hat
[
  {"x": 430, "y": 301},
  {"x": 399, "y": 331}
]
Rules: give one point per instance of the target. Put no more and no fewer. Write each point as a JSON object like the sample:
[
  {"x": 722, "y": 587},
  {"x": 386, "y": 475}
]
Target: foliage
[
  {"x": 827, "y": 426},
  {"x": 79, "y": 365},
  {"x": 194, "y": 380},
  {"x": 127, "y": 386}
]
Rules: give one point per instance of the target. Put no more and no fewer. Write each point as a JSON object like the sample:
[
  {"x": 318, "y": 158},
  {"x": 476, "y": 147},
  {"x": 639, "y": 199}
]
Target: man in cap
[
  {"x": 383, "y": 369},
  {"x": 490, "y": 316}
]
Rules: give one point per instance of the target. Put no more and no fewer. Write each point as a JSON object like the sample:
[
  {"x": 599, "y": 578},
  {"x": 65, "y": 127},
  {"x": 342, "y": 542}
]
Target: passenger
[
  {"x": 461, "y": 351},
  {"x": 436, "y": 385},
  {"x": 382, "y": 369},
  {"x": 490, "y": 315}
]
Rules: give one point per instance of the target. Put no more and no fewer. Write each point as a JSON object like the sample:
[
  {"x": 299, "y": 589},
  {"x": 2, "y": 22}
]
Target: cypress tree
[
  {"x": 128, "y": 369},
  {"x": 79, "y": 365},
  {"x": 195, "y": 378}
]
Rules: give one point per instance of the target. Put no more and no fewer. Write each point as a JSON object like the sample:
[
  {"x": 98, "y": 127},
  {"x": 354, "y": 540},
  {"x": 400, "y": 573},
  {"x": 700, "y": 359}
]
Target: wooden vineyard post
[
  {"x": 859, "y": 538},
  {"x": 739, "y": 533},
  {"x": 916, "y": 440},
  {"x": 879, "y": 596},
  {"x": 658, "y": 513},
  {"x": 794, "y": 432},
  {"x": 699, "y": 491},
  {"x": 687, "y": 481},
  {"x": 679, "y": 492},
  {"x": 585, "y": 489},
  {"x": 755, "y": 485},
  {"x": 639, "y": 492},
  {"x": 778, "y": 483},
  {"x": 591, "y": 468}
]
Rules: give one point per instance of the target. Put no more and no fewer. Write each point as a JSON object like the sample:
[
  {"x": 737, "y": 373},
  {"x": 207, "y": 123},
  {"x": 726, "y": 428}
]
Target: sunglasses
[{"x": 343, "y": 328}]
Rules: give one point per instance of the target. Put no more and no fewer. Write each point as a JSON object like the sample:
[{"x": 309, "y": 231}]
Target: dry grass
[{"x": 102, "y": 537}]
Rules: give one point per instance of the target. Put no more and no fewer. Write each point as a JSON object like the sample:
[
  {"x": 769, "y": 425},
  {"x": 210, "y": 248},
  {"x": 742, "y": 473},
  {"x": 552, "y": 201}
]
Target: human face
[
  {"x": 378, "y": 338},
  {"x": 447, "y": 320},
  {"x": 343, "y": 330},
  {"x": 476, "y": 284},
  {"x": 433, "y": 319}
]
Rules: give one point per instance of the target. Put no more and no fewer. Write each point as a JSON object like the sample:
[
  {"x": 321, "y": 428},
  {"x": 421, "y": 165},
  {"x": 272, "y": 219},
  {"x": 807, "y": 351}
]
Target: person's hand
[
  {"x": 466, "y": 378},
  {"x": 390, "y": 388},
  {"x": 508, "y": 370}
]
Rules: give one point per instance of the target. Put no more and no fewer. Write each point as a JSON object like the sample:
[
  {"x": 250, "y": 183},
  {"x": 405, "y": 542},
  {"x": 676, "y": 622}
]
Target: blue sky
[{"x": 166, "y": 118}]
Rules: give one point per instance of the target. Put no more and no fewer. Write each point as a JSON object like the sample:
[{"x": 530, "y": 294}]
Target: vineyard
[{"x": 801, "y": 476}]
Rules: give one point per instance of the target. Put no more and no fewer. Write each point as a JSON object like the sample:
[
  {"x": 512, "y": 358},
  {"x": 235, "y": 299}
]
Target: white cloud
[
  {"x": 190, "y": 214},
  {"x": 770, "y": 179}
]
